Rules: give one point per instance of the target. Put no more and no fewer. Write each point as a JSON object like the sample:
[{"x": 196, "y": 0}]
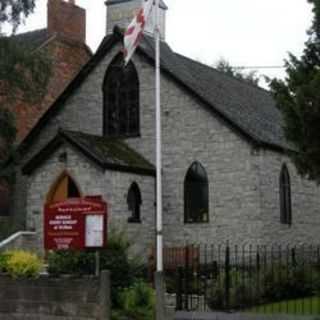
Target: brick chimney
[{"x": 67, "y": 20}]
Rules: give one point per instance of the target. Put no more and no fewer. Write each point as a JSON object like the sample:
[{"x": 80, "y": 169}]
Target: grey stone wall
[
  {"x": 305, "y": 196},
  {"x": 121, "y": 15},
  {"x": 192, "y": 133},
  {"x": 21, "y": 241},
  {"x": 243, "y": 183},
  {"x": 92, "y": 180},
  {"x": 53, "y": 298}
]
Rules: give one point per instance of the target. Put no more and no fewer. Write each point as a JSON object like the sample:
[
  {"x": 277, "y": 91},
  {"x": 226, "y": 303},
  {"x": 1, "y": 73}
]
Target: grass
[{"x": 306, "y": 306}]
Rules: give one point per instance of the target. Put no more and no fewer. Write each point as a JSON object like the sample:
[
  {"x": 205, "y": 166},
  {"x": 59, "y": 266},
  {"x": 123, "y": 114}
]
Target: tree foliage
[
  {"x": 14, "y": 11},
  {"x": 298, "y": 97},
  {"x": 24, "y": 71},
  {"x": 224, "y": 66}
]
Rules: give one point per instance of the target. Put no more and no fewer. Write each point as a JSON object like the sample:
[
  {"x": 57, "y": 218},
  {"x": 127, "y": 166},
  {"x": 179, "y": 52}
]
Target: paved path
[{"x": 182, "y": 315}]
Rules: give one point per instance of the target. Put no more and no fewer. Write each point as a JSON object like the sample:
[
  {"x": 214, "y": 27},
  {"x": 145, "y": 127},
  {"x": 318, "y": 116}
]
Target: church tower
[{"x": 121, "y": 12}]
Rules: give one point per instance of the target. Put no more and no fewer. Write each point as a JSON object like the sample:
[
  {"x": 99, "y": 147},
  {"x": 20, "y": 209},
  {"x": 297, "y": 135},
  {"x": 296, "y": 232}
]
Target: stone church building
[{"x": 226, "y": 173}]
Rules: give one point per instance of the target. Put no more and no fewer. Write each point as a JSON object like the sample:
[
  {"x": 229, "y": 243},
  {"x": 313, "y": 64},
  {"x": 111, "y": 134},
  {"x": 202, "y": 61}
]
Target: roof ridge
[
  {"x": 28, "y": 32},
  {"x": 223, "y": 73}
]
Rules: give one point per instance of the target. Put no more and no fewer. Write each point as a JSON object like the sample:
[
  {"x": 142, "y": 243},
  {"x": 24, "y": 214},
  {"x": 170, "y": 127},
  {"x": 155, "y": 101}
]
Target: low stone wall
[
  {"x": 47, "y": 298},
  {"x": 184, "y": 315}
]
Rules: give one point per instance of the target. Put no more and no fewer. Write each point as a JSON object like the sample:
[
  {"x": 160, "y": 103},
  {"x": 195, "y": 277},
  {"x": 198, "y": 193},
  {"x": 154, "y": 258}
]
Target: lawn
[{"x": 306, "y": 306}]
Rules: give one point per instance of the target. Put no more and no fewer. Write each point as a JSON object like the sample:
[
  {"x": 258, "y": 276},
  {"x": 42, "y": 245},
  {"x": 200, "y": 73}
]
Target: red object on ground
[{"x": 77, "y": 223}]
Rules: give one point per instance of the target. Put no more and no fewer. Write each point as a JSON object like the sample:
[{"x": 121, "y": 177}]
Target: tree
[
  {"x": 224, "y": 66},
  {"x": 298, "y": 98},
  {"x": 14, "y": 11},
  {"x": 24, "y": 72}
]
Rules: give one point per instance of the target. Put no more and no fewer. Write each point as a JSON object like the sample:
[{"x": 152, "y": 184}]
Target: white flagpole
[{"x": 158, "y": 145}]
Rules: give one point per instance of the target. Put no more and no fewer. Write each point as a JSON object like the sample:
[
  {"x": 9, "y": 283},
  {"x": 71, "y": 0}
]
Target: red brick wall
[
  {"x": 68, "y": 58},
  {"x": 68, "y": 52},
  {"x": 67, "y": 19}
]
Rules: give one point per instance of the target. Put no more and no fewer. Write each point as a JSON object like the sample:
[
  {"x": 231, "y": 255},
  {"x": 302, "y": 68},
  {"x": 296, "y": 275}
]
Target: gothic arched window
[
  {"x": 285, "y": 196},
  {"x": 121, "y": 99},
  {"x": 196, "y": 194},
  {"x": 134, "y": 203}
]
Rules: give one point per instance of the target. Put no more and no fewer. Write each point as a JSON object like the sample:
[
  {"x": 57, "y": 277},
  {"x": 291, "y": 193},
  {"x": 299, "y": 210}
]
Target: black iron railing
[{"x": 263, "y": 279}]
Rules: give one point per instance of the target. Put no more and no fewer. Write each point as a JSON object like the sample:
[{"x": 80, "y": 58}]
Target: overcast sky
[{"x": 245, "y": 32}]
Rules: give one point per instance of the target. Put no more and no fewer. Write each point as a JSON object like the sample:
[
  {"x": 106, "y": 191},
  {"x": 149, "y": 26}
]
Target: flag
[{"x": 135, "y": 29}]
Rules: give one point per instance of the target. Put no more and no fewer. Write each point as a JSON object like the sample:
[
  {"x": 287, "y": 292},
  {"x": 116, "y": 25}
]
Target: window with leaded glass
[
  {"x": 285, "y": 196},
  {"x": 196, "y": 195},
  {"x": 121, "y": 99},
  {"x": 134, "y": 203}
]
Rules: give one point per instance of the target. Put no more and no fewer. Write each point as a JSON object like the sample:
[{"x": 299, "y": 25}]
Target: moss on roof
[
  {"x": 109, "y": 154},
  {"x": 108, "y": 150}
]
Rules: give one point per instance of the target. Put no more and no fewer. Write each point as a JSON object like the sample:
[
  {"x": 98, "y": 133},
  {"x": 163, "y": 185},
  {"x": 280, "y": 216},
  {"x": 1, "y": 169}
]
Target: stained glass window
[{"x": 121, "y": 99}]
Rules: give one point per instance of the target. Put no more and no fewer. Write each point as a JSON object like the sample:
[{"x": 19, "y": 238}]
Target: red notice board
[{"x": 77, "y": 223}]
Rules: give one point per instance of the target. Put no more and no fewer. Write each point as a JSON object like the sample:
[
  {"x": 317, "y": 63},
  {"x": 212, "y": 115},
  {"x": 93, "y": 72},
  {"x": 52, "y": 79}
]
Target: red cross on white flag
[{"x": 135, "y": 29}]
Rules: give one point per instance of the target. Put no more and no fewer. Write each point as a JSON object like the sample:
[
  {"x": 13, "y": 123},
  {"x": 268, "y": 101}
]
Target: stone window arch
[
  {"x": 134, "y": 202},
  {"x": 121, "y": 99},
  {"x": 196, "y": 194},
  {"x": 63, "y": 188},
  {"x": 285, "y": 196}
]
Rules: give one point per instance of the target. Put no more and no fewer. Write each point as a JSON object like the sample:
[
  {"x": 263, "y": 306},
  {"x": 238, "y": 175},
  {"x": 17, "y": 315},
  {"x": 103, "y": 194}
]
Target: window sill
[
  {"x": 285, "y": 224},
  {"x": 196, "y": 222},
  {"x": 133, "y": 220},
  {"x": 123, "y": 136}
]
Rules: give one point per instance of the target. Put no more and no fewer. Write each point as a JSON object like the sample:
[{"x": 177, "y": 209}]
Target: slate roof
[
  {"x": 247, "y": 108},
  {"x": 112, "y": 154},
  {"x": 33, "y": 39}
]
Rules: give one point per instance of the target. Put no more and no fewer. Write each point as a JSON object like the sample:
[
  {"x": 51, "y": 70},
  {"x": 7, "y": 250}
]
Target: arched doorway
[{"x": 63, "y": 189}]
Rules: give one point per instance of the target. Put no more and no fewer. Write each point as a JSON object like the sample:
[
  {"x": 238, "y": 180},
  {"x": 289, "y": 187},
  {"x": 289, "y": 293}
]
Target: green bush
[
  {"x": 115, "y": 258},
  {"x": 22, "y": 264},
  {"x": 252, "y": 287},
  {"x": 3, "y": 261},
  {"x": 241, "y": 283},
  {"x": 283, "y": 283},
  {"x": 136, "y": 302},
  {"x": 70, "y": 262}
]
